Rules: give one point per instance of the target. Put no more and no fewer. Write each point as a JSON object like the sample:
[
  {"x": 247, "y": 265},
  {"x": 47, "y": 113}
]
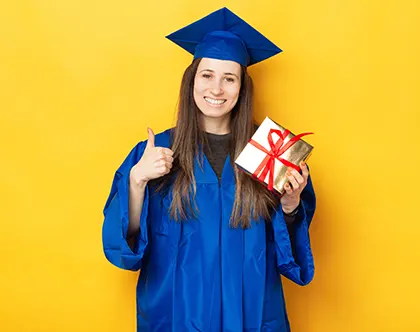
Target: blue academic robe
[{"x": 202, "y": 274}]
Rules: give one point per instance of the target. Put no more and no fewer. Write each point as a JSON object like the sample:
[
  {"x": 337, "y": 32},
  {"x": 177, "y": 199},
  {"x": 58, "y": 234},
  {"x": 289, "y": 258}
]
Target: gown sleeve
[
  {"x": 293, "y": 247},
  {"x": 115, "y": 225}
]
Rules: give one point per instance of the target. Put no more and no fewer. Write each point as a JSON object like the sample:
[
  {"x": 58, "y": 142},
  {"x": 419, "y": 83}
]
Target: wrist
[
  {"x": 291, "y": 210},
  {"x": 137, "y": 179}
]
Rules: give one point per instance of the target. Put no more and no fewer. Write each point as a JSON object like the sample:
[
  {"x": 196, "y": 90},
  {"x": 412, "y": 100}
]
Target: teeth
[{"x": 214, "y": 101}]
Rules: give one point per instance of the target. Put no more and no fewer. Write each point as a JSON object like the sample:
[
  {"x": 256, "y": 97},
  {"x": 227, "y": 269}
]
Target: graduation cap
[{"x": 225, "y": 36}]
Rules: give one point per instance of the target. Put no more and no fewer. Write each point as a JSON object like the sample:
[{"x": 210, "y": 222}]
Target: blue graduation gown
[{"x": 202, "y": 274}]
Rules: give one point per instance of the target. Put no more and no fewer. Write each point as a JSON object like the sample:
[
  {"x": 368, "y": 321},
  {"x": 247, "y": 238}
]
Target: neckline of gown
[{"x": 206, "y": 174}]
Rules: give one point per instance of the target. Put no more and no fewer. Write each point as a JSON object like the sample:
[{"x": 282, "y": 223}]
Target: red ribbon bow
[{"x": 277, "y": 149}]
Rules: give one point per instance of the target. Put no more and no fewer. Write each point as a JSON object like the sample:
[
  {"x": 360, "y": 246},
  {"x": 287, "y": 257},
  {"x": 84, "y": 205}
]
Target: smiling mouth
[{"x": 214, "y": 102}]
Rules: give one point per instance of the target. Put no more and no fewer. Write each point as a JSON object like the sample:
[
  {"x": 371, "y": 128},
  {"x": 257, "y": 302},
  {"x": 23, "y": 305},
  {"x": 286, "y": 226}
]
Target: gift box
[{"x": 270, "y": 151}]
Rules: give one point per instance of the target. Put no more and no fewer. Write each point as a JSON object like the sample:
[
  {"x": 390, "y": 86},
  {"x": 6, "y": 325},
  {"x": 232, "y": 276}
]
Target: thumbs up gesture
[{"x": 155, "y": 162}]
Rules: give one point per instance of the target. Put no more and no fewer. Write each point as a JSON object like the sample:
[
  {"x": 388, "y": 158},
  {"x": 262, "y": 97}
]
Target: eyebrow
[{"x": 212, "y": 71}]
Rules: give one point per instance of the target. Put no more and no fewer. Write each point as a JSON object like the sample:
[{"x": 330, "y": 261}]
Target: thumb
[{"x": 151, "y": 138}]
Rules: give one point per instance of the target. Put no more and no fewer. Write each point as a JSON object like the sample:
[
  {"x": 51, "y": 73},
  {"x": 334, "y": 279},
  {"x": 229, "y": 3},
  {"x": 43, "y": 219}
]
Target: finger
[
  {"x": 292, "y": 181},
  {"x": 299, "y": 178},
  {"x": 165, "y": 169},
  {"x": 164, "y": 151},
  {"x": 151, "y": 138},
  {"x": 288, "y": 188},
  {"x": 162, "y": 170},
  {"x": 160, "y": 153},
  {"x": 168, "y": 152},
  {"x": 162, "y": 156},
  {"x": 305, "y": 170},
  {"x": 163, "y": 163},
  {"x": 160, "y": 163},
  {"x": 169, "y": 159}
]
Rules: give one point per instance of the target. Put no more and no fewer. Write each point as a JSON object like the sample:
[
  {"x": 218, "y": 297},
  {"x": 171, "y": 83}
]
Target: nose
[{"x": 216, "y": 88}]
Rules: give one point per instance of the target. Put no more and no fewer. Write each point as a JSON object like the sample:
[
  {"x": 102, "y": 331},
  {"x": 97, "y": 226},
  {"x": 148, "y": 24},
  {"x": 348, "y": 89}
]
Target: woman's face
[{"x": 216, "y": 87}]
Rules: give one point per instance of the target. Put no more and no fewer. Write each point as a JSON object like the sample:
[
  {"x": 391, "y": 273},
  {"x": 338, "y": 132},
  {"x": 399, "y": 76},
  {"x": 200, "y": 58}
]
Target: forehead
[{"x": 219, "y": 66}]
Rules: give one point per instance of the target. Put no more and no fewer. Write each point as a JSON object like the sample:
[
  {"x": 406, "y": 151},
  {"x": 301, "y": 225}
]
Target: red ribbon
[{"x": 277, "y": 149}]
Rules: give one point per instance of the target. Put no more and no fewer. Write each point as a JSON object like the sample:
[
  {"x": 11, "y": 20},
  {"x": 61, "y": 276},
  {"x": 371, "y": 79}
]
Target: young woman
[{"x": 210, "y": 241}]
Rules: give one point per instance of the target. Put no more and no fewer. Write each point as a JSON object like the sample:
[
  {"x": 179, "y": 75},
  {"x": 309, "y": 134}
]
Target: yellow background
[{"x": 80, "y": 80}]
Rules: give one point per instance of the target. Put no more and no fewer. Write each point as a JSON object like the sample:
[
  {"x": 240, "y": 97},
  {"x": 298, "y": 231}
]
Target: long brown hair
[{"x": 252, "y": 200}]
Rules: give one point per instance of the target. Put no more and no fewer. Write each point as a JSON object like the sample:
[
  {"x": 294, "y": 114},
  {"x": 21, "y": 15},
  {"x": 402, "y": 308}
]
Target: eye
[
  {"x": 230, "y": 79},
  {"x": 207, "y": 76}
]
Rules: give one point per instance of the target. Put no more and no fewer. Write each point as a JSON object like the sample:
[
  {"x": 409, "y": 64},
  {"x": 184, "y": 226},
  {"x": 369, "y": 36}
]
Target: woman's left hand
[{"x": 291, "y": 198}]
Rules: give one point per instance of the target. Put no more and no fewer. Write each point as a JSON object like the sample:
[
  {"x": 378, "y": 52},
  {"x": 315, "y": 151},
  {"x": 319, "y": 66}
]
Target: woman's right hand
[{"x": 155, "y": 162}]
